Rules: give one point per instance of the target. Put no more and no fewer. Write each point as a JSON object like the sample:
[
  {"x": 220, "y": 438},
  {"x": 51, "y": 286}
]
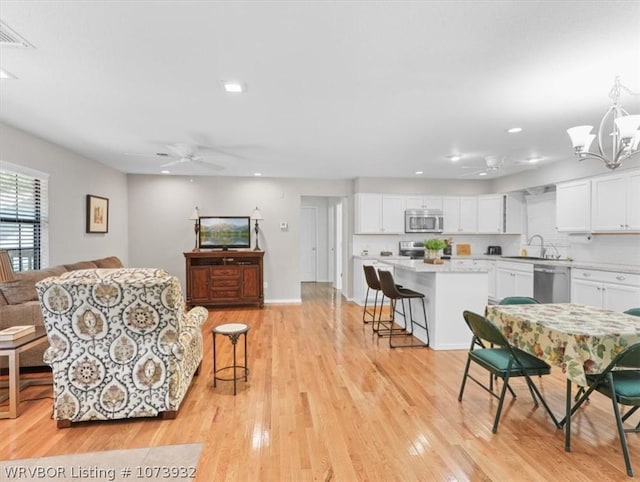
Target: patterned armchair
[{"x": 122, "y": 344}]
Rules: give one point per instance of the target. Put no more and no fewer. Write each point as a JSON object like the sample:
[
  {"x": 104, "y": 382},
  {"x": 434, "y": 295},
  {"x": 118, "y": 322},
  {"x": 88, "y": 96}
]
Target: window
[{"x": 24, "y": 218}]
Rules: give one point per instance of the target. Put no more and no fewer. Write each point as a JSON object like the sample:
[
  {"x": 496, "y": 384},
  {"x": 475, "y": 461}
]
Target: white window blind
[{"x": 24, "y": 216}]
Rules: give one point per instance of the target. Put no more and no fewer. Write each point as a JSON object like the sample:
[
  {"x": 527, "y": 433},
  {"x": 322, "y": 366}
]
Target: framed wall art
[{"x": 97, "y": 214}]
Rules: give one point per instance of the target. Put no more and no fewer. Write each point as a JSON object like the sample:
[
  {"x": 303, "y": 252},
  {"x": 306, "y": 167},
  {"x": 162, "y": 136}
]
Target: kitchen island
[{"x": 448, "y": 292}]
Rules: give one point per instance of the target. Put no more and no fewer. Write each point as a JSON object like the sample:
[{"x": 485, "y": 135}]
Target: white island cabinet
[{"x": 448, "y": 292}]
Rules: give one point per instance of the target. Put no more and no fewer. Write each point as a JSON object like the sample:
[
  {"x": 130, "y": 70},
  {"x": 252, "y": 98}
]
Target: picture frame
[{"x": 97, "y": 214}]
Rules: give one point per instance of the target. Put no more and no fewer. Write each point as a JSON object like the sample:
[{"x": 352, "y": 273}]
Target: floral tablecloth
[{"x": 579, "y": 339}]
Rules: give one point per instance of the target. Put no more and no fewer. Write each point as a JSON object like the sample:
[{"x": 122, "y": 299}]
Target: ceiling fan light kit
[{"x": 624, "y": 134}]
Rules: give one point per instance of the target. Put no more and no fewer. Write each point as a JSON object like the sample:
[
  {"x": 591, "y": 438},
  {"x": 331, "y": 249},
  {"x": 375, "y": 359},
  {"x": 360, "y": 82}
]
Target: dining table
[{"x": 579, "y": 339}]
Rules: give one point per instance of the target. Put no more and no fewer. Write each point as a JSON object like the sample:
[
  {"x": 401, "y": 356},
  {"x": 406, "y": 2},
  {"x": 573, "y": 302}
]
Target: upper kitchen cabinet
[
  {"x": 615, "y": 202},
  {"x": 460, "y": 214},
  {"x": 422, "y": 202},
  {"x": 573, "y": 206},
  {"x": 500, "y": 213},
  {"x": 379, "y": 214}
]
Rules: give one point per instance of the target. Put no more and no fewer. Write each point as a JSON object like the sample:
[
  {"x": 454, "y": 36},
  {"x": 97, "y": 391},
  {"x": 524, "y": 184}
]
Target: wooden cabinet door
[
  {"x": 392, "y": 214},
  {"x": 620, "y": 297},
  {"x": 633, "y": 202},
  {"x": 468, "y": 214},
  {"x": 609, "y": 198},
  {"x": 586, "y": 292},
  {"x": 490, "y": 214},
  {"x": 573, "y": 206},
  {"x": 200, "y": 283},
  {"x": 250, "y": 281},
  {"x": 368, "y": 213}
]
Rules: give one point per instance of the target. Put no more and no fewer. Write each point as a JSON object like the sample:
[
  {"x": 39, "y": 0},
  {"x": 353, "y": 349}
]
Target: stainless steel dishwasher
[{"x": 551, "y": 283}]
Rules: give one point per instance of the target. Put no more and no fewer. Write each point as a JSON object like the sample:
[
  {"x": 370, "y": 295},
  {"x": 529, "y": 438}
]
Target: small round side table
[{"x": 233, "y": 332}]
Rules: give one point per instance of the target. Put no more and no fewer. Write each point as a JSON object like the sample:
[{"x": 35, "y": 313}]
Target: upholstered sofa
[
  {"x": 122, "y": 343},
  {"x": 19, "y": 302}
]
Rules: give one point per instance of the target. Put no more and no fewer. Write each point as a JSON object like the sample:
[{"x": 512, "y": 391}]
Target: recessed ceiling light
[
  {"x": 533, "y": 160},
  {"x": 6, "y": 75},
  {"x": 454, "y": 157},
  {"x": 257, "y": 174},
  {"x": 419, "y": 172},
  {"x": 482, "y": 174},
  {"x": 165, "y": 172},
  {"x": 514, "y": 130},
  {"x": 234, "y": 87}
]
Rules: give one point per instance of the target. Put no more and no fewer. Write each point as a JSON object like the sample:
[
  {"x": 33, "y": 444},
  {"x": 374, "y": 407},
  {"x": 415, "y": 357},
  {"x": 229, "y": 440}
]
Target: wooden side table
[{"x": 12, "y": 349}]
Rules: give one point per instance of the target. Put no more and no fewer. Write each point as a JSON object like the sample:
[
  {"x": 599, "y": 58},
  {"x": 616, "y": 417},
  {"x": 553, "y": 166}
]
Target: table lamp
[
  {"x": 195, "y": 217},
  {"x": 257, "y": 217}
]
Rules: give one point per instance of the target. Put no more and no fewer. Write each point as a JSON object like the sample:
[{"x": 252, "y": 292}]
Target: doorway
[{"x": 309, "y": 244}]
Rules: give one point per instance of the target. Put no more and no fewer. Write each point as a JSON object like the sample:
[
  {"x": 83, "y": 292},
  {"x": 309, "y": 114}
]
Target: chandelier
[{"x": 623, "y": 129}]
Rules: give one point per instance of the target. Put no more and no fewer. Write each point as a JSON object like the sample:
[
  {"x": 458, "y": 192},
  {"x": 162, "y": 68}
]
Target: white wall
[
  {"x": 160, "y": 231},
  {"x": 71, "y": 178}
]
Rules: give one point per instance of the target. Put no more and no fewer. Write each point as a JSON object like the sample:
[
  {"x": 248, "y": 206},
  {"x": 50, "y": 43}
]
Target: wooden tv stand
[{"x": 224, "y": 278}]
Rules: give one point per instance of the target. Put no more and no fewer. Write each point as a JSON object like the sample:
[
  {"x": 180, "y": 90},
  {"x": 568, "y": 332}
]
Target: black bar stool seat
[{"x": 397, "y": 293}]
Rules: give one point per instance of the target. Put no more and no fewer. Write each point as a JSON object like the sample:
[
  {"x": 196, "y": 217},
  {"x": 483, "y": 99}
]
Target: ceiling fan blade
[
  {"x": 182, "y": 160},
  {"x": 182, "y": 149},
  {"x": 207, "y": 164}
]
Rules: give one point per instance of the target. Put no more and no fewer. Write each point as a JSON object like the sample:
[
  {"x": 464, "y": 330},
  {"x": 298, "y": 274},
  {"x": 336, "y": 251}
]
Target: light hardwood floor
[{"x": 327, "y": 400}]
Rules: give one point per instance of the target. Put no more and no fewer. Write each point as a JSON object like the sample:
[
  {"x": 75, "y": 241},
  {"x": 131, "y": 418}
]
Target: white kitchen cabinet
[
  {"x": 605, "y": 289},
  {"x": 573, "y": 206},
  {"x": 423, "y": 202},
  {"x": 500, "y": 213},
  {"x": 490, "y": 213},
  {"x": 513, "y": 279},
  {"x": 491, "y": 272},
  {"x": 460, "y": 214},
  {"x": 488, "y": 264},
  {"x": 378, "y": 214},
  {"x": 615, "y": 202}
]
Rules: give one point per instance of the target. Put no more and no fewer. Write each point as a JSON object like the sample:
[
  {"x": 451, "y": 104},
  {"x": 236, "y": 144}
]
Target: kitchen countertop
[
  {"x": 618, "y": 268},
  {"x": 419, "y": 266}
]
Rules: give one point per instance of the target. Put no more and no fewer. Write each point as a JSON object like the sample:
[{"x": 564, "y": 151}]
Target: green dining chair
[
  {"x": 633, "y": 311},
  {"x": 503, "y": 361},
  {"x": 518, "y": 300},
  {"x": 620, "y": 381}
]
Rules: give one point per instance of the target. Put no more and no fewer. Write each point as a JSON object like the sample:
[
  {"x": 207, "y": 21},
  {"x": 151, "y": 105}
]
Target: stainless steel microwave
[{"x": 423, "y": 221}]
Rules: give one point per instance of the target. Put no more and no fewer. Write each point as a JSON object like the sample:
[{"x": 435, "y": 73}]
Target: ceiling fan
[
  {"x": 183, "y": 153},
  {"x": 493, "y": 164}
]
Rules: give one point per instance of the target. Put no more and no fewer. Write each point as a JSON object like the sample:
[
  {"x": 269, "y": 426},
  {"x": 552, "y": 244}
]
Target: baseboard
[{"x": 295, "y": 301}]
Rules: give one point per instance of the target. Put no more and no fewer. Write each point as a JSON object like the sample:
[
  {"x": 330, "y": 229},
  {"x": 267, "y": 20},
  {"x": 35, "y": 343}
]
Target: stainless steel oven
[{"x": 423, "y": 221}]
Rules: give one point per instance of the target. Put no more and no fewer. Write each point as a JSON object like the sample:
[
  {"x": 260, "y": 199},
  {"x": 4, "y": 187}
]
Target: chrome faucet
[{"x": 543, "y": 250}]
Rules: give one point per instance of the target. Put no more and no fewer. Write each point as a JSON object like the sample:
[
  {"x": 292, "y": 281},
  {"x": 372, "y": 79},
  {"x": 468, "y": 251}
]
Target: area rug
[{"x": 169, "y": 462}]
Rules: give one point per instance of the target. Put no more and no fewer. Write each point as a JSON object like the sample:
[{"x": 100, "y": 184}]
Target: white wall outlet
[{"x": 284, "y": 225}]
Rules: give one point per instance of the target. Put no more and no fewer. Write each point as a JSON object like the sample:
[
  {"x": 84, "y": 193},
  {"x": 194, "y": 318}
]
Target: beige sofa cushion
[
  {"x": 19, "y": 291},
  {"x": 109, "y": 263},
  {"x": 80, "y": 265}
]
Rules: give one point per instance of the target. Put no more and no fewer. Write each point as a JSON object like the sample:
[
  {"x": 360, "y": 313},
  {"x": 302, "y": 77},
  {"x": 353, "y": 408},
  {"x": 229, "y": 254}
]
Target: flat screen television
[{"x": 224, "y": 232}]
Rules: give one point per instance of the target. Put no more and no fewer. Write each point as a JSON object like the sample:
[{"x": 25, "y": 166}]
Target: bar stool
[
  {"x": 395, "y": 293},
  {"x": 372, "y": 284},
  {"x": 233, "y": 332}
]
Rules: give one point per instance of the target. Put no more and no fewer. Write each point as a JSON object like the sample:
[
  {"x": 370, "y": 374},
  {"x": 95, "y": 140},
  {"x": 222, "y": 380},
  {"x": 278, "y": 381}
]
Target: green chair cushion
[
  {"x": 496, "y": 360},
  {"x": 627, "y": 385}
]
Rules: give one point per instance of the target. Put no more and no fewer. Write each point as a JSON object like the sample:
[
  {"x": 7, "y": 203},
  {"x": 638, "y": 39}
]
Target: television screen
[{"x": 225, "y": 232}]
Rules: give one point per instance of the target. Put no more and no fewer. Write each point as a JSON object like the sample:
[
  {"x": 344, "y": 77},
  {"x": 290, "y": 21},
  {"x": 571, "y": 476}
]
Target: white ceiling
[{"x": 335, "y": 89}]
